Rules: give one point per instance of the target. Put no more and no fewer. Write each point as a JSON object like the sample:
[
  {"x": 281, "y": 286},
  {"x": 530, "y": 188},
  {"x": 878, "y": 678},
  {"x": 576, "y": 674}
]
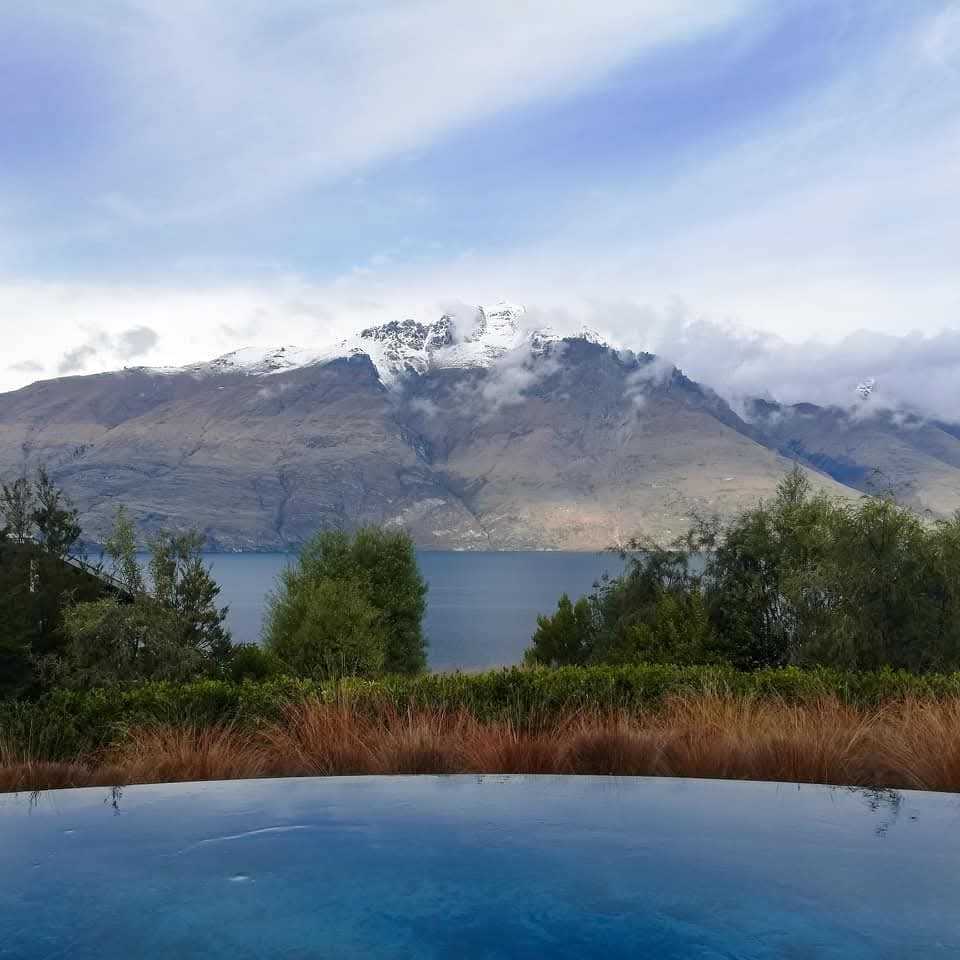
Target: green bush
[
  {"x": 67, "y": 724},
  {"x": 249, "y": 661},
  {"x": 325, "y": 628},
  {"x": 803, "y": 580},
  {"x": 353, "y": 605}
]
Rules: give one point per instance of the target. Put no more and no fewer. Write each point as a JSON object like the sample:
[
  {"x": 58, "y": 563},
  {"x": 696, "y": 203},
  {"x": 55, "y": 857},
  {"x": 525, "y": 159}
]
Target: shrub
[
  {"x": 373, "y": 575},
  {"x": 68, "y": 724},
  {"x": 251, "y": 662},
  {"x": 325, "y": 628},
  {"x": 802, "y": 580}
]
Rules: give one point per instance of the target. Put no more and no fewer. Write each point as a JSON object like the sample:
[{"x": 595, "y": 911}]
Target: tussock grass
[
  {"x": 165, "y": 754},
  {"x": 909, "y": 743}
]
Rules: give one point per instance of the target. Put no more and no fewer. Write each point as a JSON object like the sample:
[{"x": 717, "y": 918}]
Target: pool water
[{"x": 480, "y": 867}]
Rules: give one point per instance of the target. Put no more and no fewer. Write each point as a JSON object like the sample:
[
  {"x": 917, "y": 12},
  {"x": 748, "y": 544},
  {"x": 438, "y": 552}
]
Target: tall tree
[
  {"x": 121, "y": 548},
  {"x": 378, "y": 569},
  {"x": 184, "y": 583},
  {"x": 17, "y": 504},
  {"x": 55, "y": 519}
]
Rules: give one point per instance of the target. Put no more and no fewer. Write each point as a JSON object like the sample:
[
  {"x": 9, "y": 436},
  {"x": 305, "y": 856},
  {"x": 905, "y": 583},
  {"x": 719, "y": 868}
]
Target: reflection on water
[{"x": 480, "y": 866}]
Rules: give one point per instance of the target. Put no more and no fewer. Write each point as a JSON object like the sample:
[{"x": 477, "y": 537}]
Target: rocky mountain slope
[
  {"x": 485, "y": 435},
  {"x": 872, "y": 450}
]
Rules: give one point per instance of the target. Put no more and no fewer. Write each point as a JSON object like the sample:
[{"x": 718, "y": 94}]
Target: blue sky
[{"x": 180, "y": 179}]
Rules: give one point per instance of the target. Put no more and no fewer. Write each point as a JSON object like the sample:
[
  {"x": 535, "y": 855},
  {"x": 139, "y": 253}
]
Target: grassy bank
[
  {"x": 877, "y": 729},
  {"x": 909, "y": 743}
]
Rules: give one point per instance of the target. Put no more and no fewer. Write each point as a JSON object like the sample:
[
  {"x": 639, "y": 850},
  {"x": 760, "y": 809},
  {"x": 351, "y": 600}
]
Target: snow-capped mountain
[
  {"x": 491, "y": 433},
  {"x": 401, "y": 347}
]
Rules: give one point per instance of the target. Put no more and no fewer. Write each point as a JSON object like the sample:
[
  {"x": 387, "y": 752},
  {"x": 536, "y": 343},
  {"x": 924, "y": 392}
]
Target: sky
[{"x": 767, "y": 193}]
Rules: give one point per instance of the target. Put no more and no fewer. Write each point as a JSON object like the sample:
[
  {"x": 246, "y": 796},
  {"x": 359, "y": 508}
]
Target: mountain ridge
[{"x": 487, "y": 435}]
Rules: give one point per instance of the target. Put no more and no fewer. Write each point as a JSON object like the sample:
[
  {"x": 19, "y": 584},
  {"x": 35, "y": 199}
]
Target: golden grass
[{"x": 911, "y": 744}]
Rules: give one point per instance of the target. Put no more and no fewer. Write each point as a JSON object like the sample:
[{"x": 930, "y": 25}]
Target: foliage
[
  {"x": 71, "y": 723},
  {"x": 174, "y": 633},
  {"x": 248, "y": 661},
  {"x": 565, "y": 638},
  {"x": 109, "y": 641},
  {"x": 17, "y": 503},
  {"x": 41, "y": 571},
  {"x": 55, "y": 519},
  {"x": 808, "y": 580},
  {"x": 121, "y": 548},
  {"x": 183, "y": 583},
  {"x": 326, "y": 628},
  {"x": 654, "y": 613},
  {"x": 801, "y": 580},
  {"x": 357, "y": 600}
]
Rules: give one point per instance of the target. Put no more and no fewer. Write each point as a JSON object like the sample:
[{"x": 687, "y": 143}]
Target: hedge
[{"x": 67, "y": 724}]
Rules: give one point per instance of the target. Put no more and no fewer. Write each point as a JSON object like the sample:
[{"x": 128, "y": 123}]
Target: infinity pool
[{"x": 479, "y": 867}]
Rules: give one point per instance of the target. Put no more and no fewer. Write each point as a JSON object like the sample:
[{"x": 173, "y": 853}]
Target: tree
[
  {"x": 564, "y": 639},
  {"x": 17, "y": 504},
  {"x": 326, "y": 628},
  {"x": 173, "y": 632},
  {"x": 39, "y": 531},
  {"x": 184, "y": 583},
  {"x": 654, "y": 612},
  {"x": 54, "y": 517},
  {"x": 763, "y": 576},
  {"x": 121, "y": 548},
  {"x": 378, "y": 572},
  {"x": 802, "y": 579},
  {"x": 111, "y": 642}
]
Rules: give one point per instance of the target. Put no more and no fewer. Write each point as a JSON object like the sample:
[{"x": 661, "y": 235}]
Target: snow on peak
[
  {"x": 402, "y": 347},
  {"x": 865, "y": 388}
]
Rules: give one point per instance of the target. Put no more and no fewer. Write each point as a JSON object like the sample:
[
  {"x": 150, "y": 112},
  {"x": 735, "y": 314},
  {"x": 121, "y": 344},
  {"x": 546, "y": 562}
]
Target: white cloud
[
  {"x": 225, "y": 104},
  {"x": 838, "y": 214},
  {"x": 913, "y": 371},
  {"x": 916, "y": 370}
]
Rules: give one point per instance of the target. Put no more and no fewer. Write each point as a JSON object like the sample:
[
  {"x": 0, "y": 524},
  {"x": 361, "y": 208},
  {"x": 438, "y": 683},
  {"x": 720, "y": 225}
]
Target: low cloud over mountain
[{"x": 478, "y": 429}]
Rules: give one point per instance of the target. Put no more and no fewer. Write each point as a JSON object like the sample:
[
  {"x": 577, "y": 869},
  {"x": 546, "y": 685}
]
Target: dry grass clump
[
  {"x": 907, "y": 744},
  {"x": 22, "y": 768},
  {"x": 921, "y": 748},
  {"x": 167, "y": 754}
]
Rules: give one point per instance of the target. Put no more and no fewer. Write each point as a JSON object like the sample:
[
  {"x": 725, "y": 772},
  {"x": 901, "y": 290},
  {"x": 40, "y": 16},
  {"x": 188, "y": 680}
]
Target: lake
[
  {"x": 480, "y": 868},
  {"x": 481, "y": 609}
]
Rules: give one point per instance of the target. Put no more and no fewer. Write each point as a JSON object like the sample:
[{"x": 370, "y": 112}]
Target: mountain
[
  {"x": 872, "y": 450},
  {"x": 484, "y": 435}
]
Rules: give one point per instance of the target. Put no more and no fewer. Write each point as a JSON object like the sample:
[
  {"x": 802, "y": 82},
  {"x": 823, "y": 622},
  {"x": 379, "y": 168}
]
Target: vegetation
[
  {"x": 907, "y": 744},
  {"x": 810, "y": 639},
  {"x": 73, "y": 722},
  {"x": 804, "y": 580},
  {"x": 353, "y": 605},
  {"x": 173, "y": 632},
  {"x": 66, "y": 623},
  {"x": 42, "y": 570}
]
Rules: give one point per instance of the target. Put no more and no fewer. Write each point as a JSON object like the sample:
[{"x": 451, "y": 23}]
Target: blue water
[
  {"x": 480, "y": 867},
  {"x": 481, "y": 609}
]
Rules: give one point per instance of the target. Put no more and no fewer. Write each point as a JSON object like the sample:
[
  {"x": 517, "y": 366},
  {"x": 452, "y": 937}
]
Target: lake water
[
  {"x": 481, "y": 609},
  {"x": 480, "y": 867}
]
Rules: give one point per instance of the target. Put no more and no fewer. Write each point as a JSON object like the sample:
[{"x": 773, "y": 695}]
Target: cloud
[
  {"x": 135, "y": 342},
  {"x": 425, "y": 407},
  {"x": 913, "y": 371},
  {"x": 650, "y": 374},
  {"x": 223, "y": 105},
  {"x": 74, "y": 361},
  {"x": 108, "y": 349},
  {"x": 512, "y": 377}
]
